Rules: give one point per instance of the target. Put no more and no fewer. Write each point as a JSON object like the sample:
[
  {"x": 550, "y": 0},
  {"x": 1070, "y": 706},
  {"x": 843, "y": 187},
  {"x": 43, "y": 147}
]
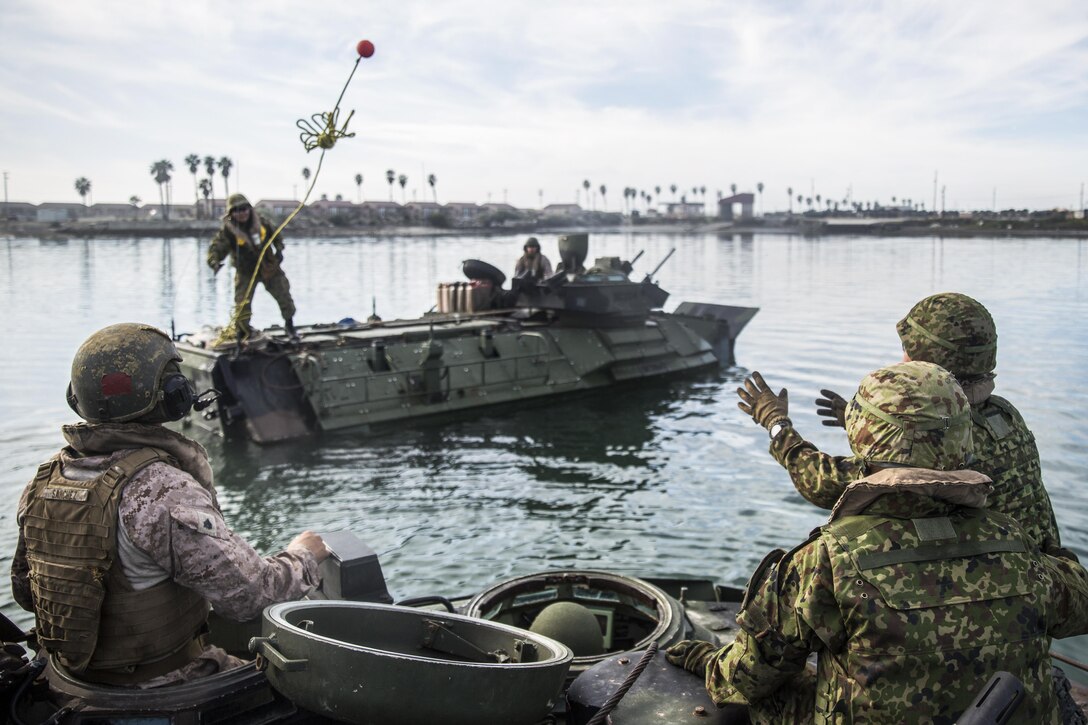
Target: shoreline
[{"x": 54, "y": 231}]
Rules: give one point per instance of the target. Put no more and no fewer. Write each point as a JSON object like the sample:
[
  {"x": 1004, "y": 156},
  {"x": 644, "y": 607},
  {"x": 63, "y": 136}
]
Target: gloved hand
[
  {"x": 691, "y": 654},
  {"x": 279, "y": 255},
  {"x": 832, "y": 406},
  {"x": 13, "y": 663},
  {"x": 215, "y": 267},
  {"x": 758, "y": 401}
]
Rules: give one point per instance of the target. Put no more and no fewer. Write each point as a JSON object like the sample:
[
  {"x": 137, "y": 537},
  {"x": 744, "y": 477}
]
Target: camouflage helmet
[
  {"x": 117, "y": 373},
  {"x": 914, "y": 414},
  {"x": 952, "y": 330},
  {"x": 236, "y": 200},
  {"x": 531, "y": 242}
]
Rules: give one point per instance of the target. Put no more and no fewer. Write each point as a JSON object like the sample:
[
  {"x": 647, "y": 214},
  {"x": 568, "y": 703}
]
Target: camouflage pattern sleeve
[
  {"x": 174, "y": 520},
  {"x": 1070, "y": 592},
  {"x": 219, "y": 249},
  {"x": 818, "y": 477},
  {"x": 787, "y": 615},
  {"x": 20, "y": 569}
]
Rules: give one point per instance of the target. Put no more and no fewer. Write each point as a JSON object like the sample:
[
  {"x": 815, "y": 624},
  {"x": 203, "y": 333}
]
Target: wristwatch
[{"x": 778, "y": 428}]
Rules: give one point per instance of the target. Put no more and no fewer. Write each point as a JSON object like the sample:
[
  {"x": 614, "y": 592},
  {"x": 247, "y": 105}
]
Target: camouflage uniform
[
  {"x": 913, "y": 594},
  {"x": 957, "y": 333},
  {"x": 171, "y": 527},
  {"x": 243, "y": 246}
]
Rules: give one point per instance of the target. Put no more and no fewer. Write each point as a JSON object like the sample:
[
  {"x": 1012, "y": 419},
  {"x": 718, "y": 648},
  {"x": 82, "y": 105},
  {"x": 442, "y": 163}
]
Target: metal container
[{"x": 360, "y": 662}]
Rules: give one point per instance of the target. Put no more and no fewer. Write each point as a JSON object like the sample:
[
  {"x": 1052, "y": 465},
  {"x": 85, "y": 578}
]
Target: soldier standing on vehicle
[
  {"x": 912, "y": 595},
  {"x": 957, "y": 333},
  {"x": 242, "y": 237},
  {"x": 532, "y": 265},
  {"x": 122, "y": 545}
]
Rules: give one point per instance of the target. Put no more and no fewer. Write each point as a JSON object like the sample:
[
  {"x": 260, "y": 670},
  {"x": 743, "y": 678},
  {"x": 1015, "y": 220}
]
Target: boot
[{"x": 289, "y": 328}]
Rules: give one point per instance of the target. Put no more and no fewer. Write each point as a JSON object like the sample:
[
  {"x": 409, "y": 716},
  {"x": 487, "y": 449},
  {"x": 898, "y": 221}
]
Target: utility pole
[
  {"x": 6, "y": 190},
  {"x": 943, "y": 187},
  {"x": 934, "y": 191},
  {"x": 995, "y": 200},
  {"x": 540, "y": 195}
]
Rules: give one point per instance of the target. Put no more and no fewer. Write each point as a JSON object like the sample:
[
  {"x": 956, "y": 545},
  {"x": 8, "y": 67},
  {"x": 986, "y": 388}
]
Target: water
[{"x": 665, "y": 478}]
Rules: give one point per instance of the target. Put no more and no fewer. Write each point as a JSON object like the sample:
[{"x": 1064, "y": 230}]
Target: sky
[{"x": 505, "y": 100}]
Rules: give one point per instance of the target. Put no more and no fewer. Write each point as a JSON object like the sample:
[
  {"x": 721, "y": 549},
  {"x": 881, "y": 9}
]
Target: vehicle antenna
[
  {"x": 173, "y": 333},
  {"x": 637, "y": 256},
  {"x": 661, "y": 263}
]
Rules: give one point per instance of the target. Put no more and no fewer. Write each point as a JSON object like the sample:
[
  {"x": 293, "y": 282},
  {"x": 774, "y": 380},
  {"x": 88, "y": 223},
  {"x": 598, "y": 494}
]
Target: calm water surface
[{"x": 664, "y": 478}]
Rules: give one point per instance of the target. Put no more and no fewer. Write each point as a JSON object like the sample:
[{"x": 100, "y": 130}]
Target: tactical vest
[
  {"x": 88, "y": 614},
  {"x": 931, "y": 607},
  {"x": 1005, "y": 451},
  {"x": 245, "y": 250}
]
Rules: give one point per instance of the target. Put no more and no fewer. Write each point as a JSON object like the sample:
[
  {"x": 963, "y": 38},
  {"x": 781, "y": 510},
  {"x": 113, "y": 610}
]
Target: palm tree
[
  {"x": 432, "y": 180},
  {"x": 657, "y": 191},
  {"x": 759, "y": 190},
  {"x": 209, "y": 169},
  {"x": 83, "y": 186},
  {"x": 604, "y": 202},
  {"x": 359, "y": 187},
  {"x": 390, "y": 176},
  {"x": 733, "y": 189},
  {"x": 800, "y": 199},
  {"x": 225, "y": 165},
  {"x": 789, "y": 195},
  {"x": 206, "y": 191},
  {"x": 135, "y": 201},
  {"x": 160, "y": 171},
  {"x": 672, "y": 188},
  {"x": 585, "y": 185},
  {"x": 193, "y": 162},
  {"x": 402, "y": 180}
]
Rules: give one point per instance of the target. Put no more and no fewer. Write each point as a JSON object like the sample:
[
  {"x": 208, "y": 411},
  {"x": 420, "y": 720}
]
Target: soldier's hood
[
  {"x": 978, "y": 390},
  {"x": 104, "y": 439},
  {"x": 963, "y": 488}
]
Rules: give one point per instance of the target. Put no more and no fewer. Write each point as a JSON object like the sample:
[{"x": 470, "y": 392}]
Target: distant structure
[{"x": 726, "y": 206}]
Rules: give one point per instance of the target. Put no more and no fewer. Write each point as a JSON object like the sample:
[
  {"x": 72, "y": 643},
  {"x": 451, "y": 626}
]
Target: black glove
[
  {"x": 832, "y": 406},
  {"x": 691, "y": 654},
  {"x": 13, "y": 664},
  {"x": 216, "y": 266},
  {"x": 279, "y": 255},
  {"x": 758, "y": 401}
]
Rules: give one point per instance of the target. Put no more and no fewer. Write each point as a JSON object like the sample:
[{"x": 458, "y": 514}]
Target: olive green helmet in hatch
[
  {"x": 911, "y": 414},
  {"x": 128, "y": 372},
  {"x": 953, "y": 331}
]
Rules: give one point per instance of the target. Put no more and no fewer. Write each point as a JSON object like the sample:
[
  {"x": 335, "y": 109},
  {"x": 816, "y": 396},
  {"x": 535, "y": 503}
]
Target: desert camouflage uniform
[
  {"x": 243, "y": 248},
  {"x": 902, "y": 636},
  {"x": 1004, "y": 448},
  {"x": 171, "y": 527}
]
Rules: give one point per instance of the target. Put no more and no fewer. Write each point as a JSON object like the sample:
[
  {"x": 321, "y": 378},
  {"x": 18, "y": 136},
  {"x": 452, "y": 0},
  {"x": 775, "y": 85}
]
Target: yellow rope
[{"x": 324, "y": 139}]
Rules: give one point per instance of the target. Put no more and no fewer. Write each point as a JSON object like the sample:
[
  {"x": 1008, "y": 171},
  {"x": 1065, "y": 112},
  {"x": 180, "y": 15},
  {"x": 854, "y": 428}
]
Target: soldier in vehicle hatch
[
  {"x": 532, "y": 265},
  {"x": 122, "y": 545},
  {"x": 912, "y": 595},
  {"x": 242, "y": 236},
  {"x": 957, "y": 333}
]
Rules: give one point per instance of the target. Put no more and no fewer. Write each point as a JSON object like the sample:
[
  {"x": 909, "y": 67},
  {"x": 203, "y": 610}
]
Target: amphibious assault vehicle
[{"x": 482, "y": 344}]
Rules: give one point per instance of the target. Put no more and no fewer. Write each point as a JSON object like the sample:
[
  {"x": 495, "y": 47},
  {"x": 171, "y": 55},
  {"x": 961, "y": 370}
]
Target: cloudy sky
[{"x": 522, "y": 101}]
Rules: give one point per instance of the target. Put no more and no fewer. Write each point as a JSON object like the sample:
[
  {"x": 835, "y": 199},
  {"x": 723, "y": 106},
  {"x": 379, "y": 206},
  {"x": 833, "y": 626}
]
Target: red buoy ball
[{"x": 365, "y": 48}]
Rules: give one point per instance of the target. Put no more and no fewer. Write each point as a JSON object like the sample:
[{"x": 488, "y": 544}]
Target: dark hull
[{"x": 368, "y": 376}]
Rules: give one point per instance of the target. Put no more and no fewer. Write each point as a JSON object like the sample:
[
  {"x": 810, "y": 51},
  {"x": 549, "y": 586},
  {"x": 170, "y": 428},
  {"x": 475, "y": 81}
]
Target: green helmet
[
  {"x": 952, "y": 330},
  {"x": 236, "y": 200},
  {"x": 118, "y": 375},
  {"x": 572, "y": 624},
  {"x": 913, "y": 414}
]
